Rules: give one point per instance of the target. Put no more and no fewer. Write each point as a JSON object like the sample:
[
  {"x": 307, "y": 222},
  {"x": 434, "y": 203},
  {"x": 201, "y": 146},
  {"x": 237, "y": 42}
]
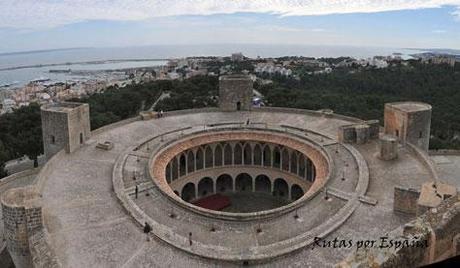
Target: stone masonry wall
[
  {"x": 22, "y": 216},
  {"x": 54, "y": 125},
  {"x": 418, "y": 130},
  {"x": 409, "y": 124},
  {"x": 79, "y": 123},
  {"x": 347, "y": 134},
  {"x": 405, "y": 200},
  {"x": 62, "y": 125},
  {"x": 439, "y": 228},
  {"x": 235, "y": 93},
  {"x": 41, "y": 253},
  {"x": 15, "y": 232}
]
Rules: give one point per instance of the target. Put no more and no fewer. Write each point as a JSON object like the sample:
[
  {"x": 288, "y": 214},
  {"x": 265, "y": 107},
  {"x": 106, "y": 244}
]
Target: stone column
[
  {"x": 388, "y": 147},
  {"x": 22, "y": 215}
]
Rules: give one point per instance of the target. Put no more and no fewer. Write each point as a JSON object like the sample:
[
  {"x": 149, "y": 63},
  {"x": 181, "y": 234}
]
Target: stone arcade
[{"x": 304, "y": 174}]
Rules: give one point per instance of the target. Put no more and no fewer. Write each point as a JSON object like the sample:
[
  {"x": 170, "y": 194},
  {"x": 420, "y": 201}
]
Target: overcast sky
[{"x": 46, "y": 24}]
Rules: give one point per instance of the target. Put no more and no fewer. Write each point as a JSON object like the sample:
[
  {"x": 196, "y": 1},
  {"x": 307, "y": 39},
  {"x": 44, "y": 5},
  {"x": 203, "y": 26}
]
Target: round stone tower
[
  {"x": 235, "y": 92},
  {"x": 22, "y": 215},
  {"x": 410, "y": 122}
]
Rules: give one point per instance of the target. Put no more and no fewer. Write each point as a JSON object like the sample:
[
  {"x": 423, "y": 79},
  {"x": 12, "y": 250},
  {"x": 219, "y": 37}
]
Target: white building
[
  {"x": 8, "y": 105},
  {"x": 270, "y": 68}
]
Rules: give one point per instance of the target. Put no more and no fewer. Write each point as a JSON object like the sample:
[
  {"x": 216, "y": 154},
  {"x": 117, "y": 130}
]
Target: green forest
[
  {"x": 363, "y": 92},
  {"x": 359, "y": 92}
]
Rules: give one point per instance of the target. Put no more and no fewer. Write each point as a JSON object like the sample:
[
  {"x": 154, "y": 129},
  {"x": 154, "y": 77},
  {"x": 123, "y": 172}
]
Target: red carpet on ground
[{"x": 213, "y": 202}]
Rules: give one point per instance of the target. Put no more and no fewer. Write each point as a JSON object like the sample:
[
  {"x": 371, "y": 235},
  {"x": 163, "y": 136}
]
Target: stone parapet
[
  {"x": 430, "y": 238},
  {"x": 405, "y": 200},
  {"x": 41, "y": 253},
  {"x": 358, "y": 133},
  {"x": 22, "y": 215}
]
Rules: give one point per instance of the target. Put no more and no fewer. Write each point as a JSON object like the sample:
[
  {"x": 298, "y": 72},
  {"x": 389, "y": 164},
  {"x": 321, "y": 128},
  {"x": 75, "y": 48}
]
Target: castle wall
[
  {"x": 405, "y": 200},
  {"x": 235, "y": 93},
  {"x": 347, "y": 134},
  {"x": 374, "y": 128},
  {"x": 54, "y": 125},
  {"x": 65, "y": 126},
  {"x": 78, "y": 124},
  {"x": 22, "y": 216},
  {"x": 410, "y": 122},
  {"x": 418, "y": 132},
  {"x": 438, "y": 229},
  {"x": 359, "y": 133}
]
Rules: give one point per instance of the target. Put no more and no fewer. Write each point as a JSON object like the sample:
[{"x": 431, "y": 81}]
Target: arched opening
[
  {"x": 263, "y": 184},
  {"x": 243, "y": 183},
  {"x": 296, "y": 192},
  {"x": 257, "y": 155},
  {"x": 285, "y": 159},
  {"x": 168, "y": 173},
  {"x": 247, "y": 154},
  {"x": 238, "y": 106},
  {"x": 281, "y": 188},
  {"x": 228, "y": 155},
  {"x": 199, "y": 159},
  {"x": 182, "y": 165},
  {"x": 224, "y": 183},
  {"x": 276, "y": 158},
  {"x": 205, "y": 187},
  {"x": 238, "y": 160},
  {"x": 209, "y": 162},
  {"x": 301, "y": 166},
  {"x": 190, "y": 161},
  {"x": 81, "y": 138},
  {"x": 174, "y": 169},
  {"x": 188, "y": 192},
  {"x": 218, "y": 156},
  {"x": 267, "y": 156},
  {"x": 310, "y": 171},
  {"x": 294, "y": 162}
]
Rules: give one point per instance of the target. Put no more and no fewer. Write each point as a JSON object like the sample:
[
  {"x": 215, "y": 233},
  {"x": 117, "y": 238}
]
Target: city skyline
[{"x": 30, "y": 25}]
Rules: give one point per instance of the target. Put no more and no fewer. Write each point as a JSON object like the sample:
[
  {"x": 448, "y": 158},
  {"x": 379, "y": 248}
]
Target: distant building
[
  {"x": 193, "y": 73},
  {"x": 8, "y": 105},
  {"x": 443, "y": 60},
  {"x": 174, "y": 75},
  {"x": 377, "y": 62},
  {"x": 270, "y": 68},
  {"x": 237, "y": 56}
]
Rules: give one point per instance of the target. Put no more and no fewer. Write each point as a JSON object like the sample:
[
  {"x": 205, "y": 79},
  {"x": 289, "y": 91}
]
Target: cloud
[
  {"x": 439, "y": 31},
  {"x": 50, "y": 13},
  {"x": 318, "y": 30}
]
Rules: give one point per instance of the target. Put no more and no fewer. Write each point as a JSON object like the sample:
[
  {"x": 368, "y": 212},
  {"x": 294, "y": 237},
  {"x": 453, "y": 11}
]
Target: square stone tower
[
  {"x": 65, "y": 125},
  {"x": 235, "y": 93},
  {"x": 409, "y": 122}
]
